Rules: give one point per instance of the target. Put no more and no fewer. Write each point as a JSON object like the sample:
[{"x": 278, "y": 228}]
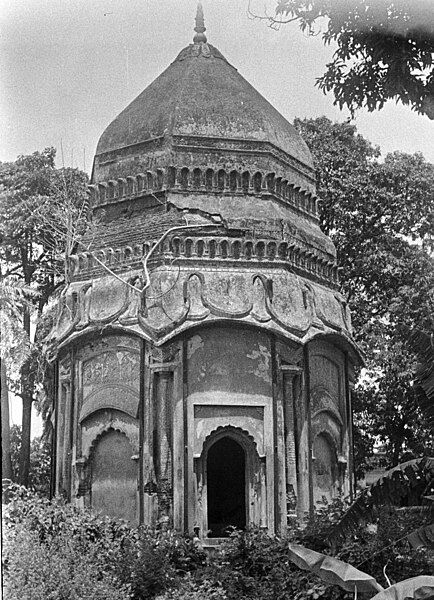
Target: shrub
[
  {"x": 35, "y": 570},
  {"x": 190, "y": 589},
  {"x": 152, "y": 562},
  {"x": 53, "y": 550},
  {"x": 56, "y": 551},
  {"x": 143, "y": 562},
  {"x": 254, "y": 565},
  {"x": 384, "y": 545},
  {"x": 50, "y": 519}
]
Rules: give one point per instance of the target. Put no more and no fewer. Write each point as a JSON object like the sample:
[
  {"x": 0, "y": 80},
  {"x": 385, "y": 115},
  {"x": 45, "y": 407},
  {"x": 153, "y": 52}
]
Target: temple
[{"x": 202, "y": 349}]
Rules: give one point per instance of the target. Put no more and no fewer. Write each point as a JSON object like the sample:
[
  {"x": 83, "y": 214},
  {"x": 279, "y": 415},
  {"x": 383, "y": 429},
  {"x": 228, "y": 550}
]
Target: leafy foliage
[
  {"x": 69, "y": 546},
  {"x": 42, "y": 211},
  {"x": 415, "y": 587},
  {"x": 384, "y": 49},
  {"x": 414, "y": 478},
  {"x": 378, "y": 540},
  {"x": 422, "y": 343},
  {"x": 383, "y": 546},
  {"x": 56, "y": 571},
  {"x": 254, "y": 565},
  {"x": 189, "y": 589},
  {"x": 152, "y": 562},
  {"x": 333, "y": 570},
  {"x": 343, "y": 574},
  {"x": 35, "y": 198},
  {"x": 40, "y": 461},
  {"x": 380, "y": 215},
  {"x": 15, "y": 350},
  {"x": 15, "y": 345},
  {"x": 54, "y": 551},
  {"x": 142, "y": 562}
]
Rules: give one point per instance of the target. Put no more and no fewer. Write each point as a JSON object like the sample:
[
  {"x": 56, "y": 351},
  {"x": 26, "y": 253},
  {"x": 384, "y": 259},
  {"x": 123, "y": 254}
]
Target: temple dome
[{"x": 200, "y": 94}]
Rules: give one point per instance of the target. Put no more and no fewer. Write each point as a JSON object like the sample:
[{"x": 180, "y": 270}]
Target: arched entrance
[{"x": 226, "y": 486}]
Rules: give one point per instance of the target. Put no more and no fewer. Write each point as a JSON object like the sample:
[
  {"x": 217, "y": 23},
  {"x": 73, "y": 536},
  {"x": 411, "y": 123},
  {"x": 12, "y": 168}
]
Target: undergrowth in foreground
[{"x": 55, "y": 551}]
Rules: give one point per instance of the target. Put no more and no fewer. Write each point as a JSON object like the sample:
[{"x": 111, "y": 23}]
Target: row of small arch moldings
[
  {"x": 202, "y": 180},
  {"x": 210, "y": 248}
]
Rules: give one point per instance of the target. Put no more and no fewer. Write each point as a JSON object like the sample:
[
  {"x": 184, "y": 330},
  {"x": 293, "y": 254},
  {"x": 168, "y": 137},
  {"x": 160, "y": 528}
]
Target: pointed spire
[{"x": 200, "y": 26}]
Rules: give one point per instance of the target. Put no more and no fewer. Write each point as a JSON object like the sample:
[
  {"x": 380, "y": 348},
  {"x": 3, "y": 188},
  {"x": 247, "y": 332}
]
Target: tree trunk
[
  {"x": 25, "y": 440},
  {"x": 5, "y": 422},
  {"x": 27, "y": 397}
]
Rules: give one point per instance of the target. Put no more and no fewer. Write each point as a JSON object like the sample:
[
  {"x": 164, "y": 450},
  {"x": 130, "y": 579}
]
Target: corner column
[
  {"x": 161, "y": 450},
  {"x": 289, "y": 373},
  {"x": 304, "y": 450}
]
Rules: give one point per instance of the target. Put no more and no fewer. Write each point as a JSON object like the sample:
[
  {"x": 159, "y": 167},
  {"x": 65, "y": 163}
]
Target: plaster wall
[
  {"x": 230, "y": 392},
  {"x": 330, "y": 422}
]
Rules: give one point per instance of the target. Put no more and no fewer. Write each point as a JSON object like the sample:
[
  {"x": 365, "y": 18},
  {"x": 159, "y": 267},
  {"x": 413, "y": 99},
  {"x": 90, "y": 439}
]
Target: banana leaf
[
  {"x": 305, "y": 558},
  {"x": 332, "y": 570},
  {"x": 347, "y": 577},
  {"x": 389, "y": 488},
  {"x": 415, "y": 588}
]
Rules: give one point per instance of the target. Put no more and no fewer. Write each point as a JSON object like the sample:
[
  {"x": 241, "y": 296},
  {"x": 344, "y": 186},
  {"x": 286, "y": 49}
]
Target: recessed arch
[
  {"x": 325, "y": 467},
  {"x": 113, "y": 475},
  {"x": 99, "y": 422}
]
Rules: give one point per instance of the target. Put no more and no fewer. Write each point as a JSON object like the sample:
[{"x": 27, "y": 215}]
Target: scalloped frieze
[
  {"x": 177, "y": 296},
  {"x": 97, "y": 424},
  {"x": 247, "y": 421},
  {"x": 107, "y": 302}
]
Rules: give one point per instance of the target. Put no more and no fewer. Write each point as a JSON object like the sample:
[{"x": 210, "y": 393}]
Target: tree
[
  {"x": 423, "y": 345},
  {"x": 6, "y": 443},
  {"x": 33, "y": 245},
  {"x": 384, "y": 49},
  {"x": 14, "y": 350},
  {"x": 380, "y": 216}
]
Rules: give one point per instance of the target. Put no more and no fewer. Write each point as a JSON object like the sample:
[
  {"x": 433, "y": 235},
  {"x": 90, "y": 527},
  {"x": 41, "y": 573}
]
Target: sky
[{"x": 68, "y": 67}]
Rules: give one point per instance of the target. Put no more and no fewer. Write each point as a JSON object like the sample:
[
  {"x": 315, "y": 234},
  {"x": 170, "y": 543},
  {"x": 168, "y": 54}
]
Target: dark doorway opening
[{"x": 226, "y": 487}]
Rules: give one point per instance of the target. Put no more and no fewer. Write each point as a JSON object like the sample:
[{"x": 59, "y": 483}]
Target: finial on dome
[{"x": 200, "y": 26}]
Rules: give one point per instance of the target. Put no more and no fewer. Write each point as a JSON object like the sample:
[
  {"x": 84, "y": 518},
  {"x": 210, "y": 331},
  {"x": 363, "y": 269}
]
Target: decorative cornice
[
  {"x": 225, "y": 251},
  {"x": 111, "y": 156},
  {"x": 203, "y": 180},
  {"x": 273, "y": 300},
  {"x": 213, "y": 145},
  {"x": 196, "y": 143}
]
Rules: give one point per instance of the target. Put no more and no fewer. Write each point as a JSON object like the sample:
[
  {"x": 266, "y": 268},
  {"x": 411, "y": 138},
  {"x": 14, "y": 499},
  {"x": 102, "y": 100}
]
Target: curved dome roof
[{"x": 201, "y": 94}]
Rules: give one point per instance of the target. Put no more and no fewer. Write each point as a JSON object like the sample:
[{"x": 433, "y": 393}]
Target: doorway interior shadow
[{"x": 226, "y": 487}]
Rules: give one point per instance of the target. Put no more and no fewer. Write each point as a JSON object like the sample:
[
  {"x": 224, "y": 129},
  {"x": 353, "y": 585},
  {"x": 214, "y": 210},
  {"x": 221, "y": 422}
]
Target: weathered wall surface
[
  {"x": 230, "y": 393},
  {"x": 229, "y": 383},
  {"x": 330, "y": 421},
  {"x": 286, "y": 407},
  {"x": 114, "y": 477},
  {"x": 229, "y": 359},
  {"x": 97, "y": 425}
]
